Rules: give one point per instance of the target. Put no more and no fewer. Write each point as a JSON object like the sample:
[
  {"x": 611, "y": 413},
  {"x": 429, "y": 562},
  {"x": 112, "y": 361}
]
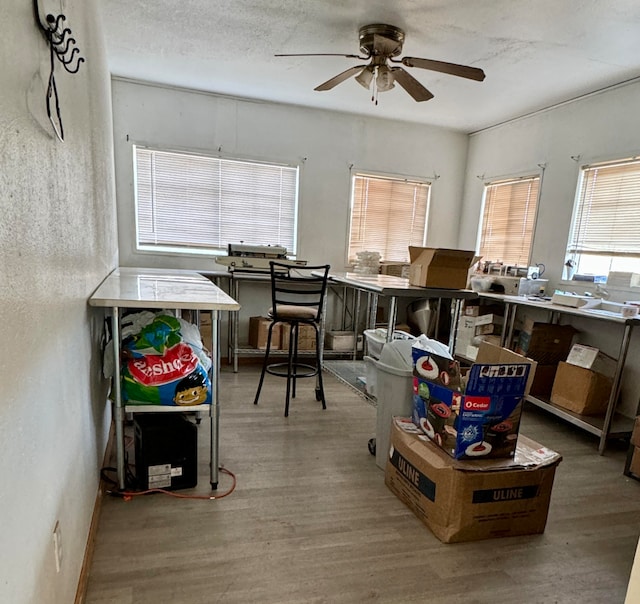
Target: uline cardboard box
[
  {"x": 440, "y": 267},
  {"x": 476, "y": 419},
  {"x": 473, "y": 500}
]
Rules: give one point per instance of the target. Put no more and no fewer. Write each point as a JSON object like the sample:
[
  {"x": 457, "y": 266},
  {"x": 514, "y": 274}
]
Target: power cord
[{"x": 128, "y": 495}]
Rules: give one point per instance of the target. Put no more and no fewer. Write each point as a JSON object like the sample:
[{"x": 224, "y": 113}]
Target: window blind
[
  {"x": 509, "y": 219},
  {"x": 387, "y": 216},
  {"x": 194, "y": 201},
  {"x": 607, "y": 214}
]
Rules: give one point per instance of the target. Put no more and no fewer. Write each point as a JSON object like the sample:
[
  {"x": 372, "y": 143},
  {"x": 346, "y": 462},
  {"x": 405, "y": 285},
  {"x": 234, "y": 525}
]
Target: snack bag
[{"x": 160, "y": 368}]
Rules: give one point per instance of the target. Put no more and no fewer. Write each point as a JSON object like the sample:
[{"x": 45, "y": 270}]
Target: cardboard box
[
  {"x": 341, "y": 340},
  {"x": 395, "y": 269},
  {"x": 634, "y": 466},
  {"x": 635, "y": 435},
  {"x": 592, "y": 358},
  {"x": 440, "y": 267},
  {"x": 543, "y": 380},
  {"x": 472, "y": 309},
  {"x": 258, "y": 331},
  {"x": 547, "y": 343},
  {"x": 465, "y": 334},
  {"x": 469, "y": 501},
  {"x": 482, "y": 420},
  {"x": 581, "y": 390},
  {"x": 489, "y": 319},
  {"x": 306, "y": 337}
]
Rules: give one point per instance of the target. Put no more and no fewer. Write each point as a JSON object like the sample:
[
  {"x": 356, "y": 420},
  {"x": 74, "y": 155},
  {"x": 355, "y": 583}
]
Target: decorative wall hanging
[{"x": 62, "y": 46}]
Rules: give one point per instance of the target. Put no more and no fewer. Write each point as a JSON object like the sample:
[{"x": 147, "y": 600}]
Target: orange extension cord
[{"x": 129, "y": 495}]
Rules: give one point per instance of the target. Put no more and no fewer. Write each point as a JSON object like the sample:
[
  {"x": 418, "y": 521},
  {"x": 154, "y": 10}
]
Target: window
[
  {"x": 508, "y": 220},
  {"x": 605, "y": 231},
  {"x": 195, "y": 203},
  {"x": 387, "y": 216}
]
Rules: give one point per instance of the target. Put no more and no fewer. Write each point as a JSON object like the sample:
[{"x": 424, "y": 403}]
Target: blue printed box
[{"x": 475, "y": 416}]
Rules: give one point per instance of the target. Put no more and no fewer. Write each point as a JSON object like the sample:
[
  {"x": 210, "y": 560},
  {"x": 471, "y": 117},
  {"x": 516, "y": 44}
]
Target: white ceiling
[{"x": 535, "y": 53}]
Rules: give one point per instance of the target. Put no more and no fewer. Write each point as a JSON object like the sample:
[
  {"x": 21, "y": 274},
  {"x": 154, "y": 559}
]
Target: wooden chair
[{"x": 297, "y": 298}]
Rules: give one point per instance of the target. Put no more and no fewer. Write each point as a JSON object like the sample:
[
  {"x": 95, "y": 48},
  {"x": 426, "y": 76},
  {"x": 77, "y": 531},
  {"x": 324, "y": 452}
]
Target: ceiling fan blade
[
  {"x": 411, "y": 85},
  {"x": 463, "y": 71},
  {"x": 324, "y": 54},
  {"x": 341, "y": 77}
]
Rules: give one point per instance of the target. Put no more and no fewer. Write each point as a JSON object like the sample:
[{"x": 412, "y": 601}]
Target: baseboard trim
[{"x": 83, "y": 580}]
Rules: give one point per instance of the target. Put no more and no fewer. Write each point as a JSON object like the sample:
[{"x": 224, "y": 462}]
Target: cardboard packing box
[
  {"x": 472, "y": 500},
  {"x": 581, "y": 390},
  {"x": 440, "y": 267},
  {"x": 465, "y": 334},
  {"x": 481, "y": 419},
  {"x": 258, "y": 331},
  {"x": 635, "y": 435},
  {"x": 634, "y": 461},
  {"x": 306, "y": 337},
  {"x": 395, "y": 269},
  {"x": 546, "y": 343},
  {"x": 634, "y": 466},
  {"x": 543, "y": 380},
  {"x": 342, "y": 340}
]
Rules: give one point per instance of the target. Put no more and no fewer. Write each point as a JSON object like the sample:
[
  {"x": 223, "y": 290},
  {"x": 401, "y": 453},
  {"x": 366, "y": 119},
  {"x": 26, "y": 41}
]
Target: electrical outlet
[{"x": 57, "y": 545}]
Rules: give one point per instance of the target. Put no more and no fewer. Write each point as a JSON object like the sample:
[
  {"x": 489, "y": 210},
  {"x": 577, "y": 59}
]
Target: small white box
[{"x": 341, "y": 340}]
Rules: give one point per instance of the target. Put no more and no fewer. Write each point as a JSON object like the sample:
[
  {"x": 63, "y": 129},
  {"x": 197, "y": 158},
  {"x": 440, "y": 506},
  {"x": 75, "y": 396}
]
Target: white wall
[
  {"x": 325, "y": 143},
  {"x": 601, "y": 126},
  {"x": 58, "y": 241}
]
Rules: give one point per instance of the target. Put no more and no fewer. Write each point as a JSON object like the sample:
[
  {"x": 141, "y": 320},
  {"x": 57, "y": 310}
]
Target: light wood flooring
[{"x": 312, "y": 521}]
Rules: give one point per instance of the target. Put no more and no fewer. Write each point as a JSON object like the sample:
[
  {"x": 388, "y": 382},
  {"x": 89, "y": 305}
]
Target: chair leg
[
  {"x": 320, "y": 385},
  {"x": 292, "y": 338},
  {"x": 264, "y": 363},
  {"x": 296, "y": 329}
]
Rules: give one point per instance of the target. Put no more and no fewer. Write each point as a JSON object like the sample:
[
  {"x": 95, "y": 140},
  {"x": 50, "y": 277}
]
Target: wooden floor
[{"x": 312, "y": 521}]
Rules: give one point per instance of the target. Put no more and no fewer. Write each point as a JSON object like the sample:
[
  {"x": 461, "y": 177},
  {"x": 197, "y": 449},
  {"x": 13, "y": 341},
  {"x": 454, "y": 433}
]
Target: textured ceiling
[{"x": 535, "y": 54}]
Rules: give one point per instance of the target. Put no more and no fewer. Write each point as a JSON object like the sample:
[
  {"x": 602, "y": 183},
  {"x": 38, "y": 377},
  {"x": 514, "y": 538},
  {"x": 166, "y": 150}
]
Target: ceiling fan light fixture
[
  {"x": 364, "y": 77},
  {"x": 385, "y": 79}
]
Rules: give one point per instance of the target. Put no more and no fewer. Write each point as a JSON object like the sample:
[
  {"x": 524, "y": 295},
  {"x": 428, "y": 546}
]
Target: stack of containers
[{"x": 367, "y": 263}]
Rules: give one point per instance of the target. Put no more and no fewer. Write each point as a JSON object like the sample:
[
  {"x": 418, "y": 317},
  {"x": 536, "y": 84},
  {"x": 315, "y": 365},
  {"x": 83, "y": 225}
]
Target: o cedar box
[{"x": 470, "y": 500}]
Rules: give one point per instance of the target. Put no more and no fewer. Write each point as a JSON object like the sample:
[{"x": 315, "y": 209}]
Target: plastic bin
[
  {"x": 394, "y": 391},
  {"x": 377, "y": 338}
]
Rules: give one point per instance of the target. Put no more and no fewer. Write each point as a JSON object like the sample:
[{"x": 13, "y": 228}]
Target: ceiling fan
[{"x": 380, "y": 43}]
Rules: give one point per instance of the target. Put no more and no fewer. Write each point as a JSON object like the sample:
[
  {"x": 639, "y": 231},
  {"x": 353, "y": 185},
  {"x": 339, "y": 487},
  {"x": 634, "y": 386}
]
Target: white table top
[
  {"x": 160, "y": 288},
  {"x": 591, "y": 313},
  {"x": 390, "y": 285}
]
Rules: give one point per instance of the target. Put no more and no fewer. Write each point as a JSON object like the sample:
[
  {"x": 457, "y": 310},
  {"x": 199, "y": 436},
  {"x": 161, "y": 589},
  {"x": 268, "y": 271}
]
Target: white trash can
[{"x": 394, "y": 391}]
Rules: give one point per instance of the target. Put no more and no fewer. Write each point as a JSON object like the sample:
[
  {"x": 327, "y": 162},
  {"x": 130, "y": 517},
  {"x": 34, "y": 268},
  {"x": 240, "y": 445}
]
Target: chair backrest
[{"x": 298, "y": 292}]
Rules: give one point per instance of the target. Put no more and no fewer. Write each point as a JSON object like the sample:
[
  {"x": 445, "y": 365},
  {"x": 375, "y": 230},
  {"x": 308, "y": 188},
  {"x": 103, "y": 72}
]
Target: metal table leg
[
  {"x": 373, "y": 309},
  {"x": 393, "y": 313},
  {"x": 236, "y": 324},
  {"x": 117, "y": 397},
  {"x": 615, "y": 388},
  {"x": 214, "y": 411},
  {"x": 455, "y": 318},
  {"x": 356, "y": 323}
]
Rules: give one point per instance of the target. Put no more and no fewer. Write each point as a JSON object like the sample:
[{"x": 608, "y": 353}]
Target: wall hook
[
  {"x": 62, "y": 46},
  {"x": 576, "y": 158}
]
